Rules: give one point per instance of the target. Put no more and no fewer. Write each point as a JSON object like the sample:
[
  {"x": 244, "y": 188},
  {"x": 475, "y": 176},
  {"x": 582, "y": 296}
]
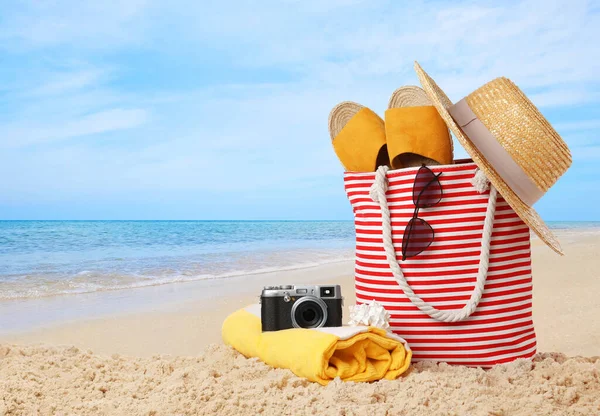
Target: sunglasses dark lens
[
  {"x": 427, "y": 190},
  {"x": 418, "y": 235}
]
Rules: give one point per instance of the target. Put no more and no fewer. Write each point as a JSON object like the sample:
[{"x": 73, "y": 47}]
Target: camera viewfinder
[{"x": 327, "y": 292}]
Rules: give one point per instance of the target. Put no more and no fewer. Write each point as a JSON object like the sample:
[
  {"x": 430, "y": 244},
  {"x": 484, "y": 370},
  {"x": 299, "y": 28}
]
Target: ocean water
[{"x": 46, "y": 258}]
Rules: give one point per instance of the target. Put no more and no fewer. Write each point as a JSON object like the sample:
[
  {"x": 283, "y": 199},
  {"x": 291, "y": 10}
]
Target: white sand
[
  {"x": 53, "y": 380},
  {"x": 201, "y": 376}
]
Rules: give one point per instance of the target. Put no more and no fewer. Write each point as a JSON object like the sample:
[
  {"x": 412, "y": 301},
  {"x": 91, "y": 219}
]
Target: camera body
[{"x": 301, "y": 306}]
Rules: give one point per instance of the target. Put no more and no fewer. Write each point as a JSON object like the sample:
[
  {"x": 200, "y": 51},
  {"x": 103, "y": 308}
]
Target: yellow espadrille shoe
[
  {"x": 358, "y": 137},
  {"x": 415, "y": 132}
]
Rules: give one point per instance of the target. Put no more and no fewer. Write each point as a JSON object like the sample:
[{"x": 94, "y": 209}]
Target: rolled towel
[{"x": 357, "y": 353}]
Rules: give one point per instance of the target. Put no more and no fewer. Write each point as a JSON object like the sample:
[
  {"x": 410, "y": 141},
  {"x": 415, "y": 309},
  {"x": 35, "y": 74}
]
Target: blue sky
[{"x": 147, "y": 109}]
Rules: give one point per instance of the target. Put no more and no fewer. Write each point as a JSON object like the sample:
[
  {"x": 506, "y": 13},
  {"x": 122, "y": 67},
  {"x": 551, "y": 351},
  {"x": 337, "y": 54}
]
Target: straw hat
[{"x": 510, "y": 141}]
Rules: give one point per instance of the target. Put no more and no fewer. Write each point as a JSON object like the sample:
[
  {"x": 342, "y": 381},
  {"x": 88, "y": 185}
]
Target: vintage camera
[{"x": 298, "y": 306}]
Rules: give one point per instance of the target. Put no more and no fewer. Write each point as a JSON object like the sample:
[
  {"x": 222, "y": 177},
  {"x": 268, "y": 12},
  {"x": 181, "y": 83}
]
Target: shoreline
[
  {"x": 226, "y": 276},
  {"x": 74, "y": 283},
  {"x": 171, "y": 308},
  {"x": 183, "y": 317}
]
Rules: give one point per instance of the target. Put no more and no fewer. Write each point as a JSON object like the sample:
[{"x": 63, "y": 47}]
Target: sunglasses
[{"x": 427, "y": 192}]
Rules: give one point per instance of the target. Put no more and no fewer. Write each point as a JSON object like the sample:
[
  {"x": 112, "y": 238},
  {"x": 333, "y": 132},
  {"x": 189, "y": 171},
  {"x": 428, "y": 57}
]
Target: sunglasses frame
[{"x": 409, "y": 226}]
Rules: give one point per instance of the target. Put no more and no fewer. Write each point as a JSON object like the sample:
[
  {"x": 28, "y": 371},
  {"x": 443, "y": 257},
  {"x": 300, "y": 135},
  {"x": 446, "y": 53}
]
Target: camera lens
[{"x": 309, "y": 312}]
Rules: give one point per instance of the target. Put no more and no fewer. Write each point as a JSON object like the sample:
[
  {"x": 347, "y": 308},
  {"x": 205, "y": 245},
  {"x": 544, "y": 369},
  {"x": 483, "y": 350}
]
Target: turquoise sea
[{"x": 45, "y": 258}]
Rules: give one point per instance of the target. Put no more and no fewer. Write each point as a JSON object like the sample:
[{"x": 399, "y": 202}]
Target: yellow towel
[{"x": 352, "y": 353}]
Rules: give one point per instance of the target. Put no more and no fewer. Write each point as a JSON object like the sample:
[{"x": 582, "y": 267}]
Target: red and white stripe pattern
[{"x": 501, "y": 328}]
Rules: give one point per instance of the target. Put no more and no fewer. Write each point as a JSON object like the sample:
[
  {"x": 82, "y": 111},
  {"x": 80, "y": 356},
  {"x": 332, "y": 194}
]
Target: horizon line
[{"x": 225, "y": 220}]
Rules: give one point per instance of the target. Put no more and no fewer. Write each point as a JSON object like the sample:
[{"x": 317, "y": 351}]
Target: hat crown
[{"x": 521, "y": 130}]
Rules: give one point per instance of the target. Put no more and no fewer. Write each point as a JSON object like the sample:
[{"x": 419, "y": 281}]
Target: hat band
[{"x": 514, "y": 176}]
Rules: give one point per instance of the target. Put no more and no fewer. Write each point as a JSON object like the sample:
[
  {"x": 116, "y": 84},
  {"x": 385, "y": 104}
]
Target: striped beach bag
[{"x": 467, "y": 298}]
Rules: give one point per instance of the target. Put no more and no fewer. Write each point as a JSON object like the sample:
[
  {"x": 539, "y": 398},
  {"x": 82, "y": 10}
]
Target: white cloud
[
  {"x": 38, "y": 24},
  {"x": 100, "y": 122},
  {"x": 542, "y": 44},
  {"x": 67, "y": 82},
  {"x": 537, "y": 42}
]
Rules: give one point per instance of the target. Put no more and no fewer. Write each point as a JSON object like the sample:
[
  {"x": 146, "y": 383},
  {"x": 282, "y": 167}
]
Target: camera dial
[{"x": 279, "y": 287}]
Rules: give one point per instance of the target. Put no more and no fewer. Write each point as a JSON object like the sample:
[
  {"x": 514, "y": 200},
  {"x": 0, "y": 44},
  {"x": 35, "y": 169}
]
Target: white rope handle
[{"x": 377, "y": 193}]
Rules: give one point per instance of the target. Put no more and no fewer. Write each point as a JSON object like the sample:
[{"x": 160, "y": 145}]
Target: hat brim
[{"x": 524, "y": 211}]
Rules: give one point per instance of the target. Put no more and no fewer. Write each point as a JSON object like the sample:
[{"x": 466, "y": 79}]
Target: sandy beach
[{"x": 162, "y": 354}]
